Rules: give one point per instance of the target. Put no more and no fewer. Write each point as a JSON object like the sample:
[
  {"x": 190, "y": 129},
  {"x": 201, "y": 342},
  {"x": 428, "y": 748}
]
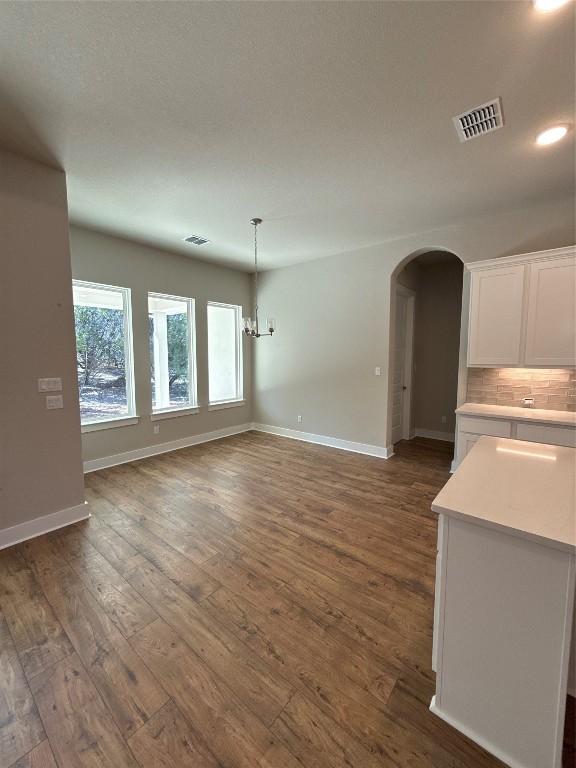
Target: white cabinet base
[
  {"x": 475, "y": 737},
  {"x": 503, "y": 622}
]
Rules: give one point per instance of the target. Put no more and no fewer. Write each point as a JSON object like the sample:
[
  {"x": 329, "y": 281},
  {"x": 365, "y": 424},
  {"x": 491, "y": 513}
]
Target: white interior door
[{"x": 402, "y": 379}]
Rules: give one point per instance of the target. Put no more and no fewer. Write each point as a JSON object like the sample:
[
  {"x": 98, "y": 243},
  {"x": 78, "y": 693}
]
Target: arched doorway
[{"x": 426, "y": 309}]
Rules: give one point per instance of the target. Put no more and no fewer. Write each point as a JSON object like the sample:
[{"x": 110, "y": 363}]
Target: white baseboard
[
  {"x": 488, "y": 746},
  {"x": 94, "y": 465},
  {"x": 45, "y": 524},
  {"x": 332, "y": 442},
  {"x": 433, "y": 434}
]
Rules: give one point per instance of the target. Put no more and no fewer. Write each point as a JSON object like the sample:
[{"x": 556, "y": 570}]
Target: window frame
[
  {"x": 130, "y": 417},
  {"x": 192, "y": 405},
  {"x": 239, "y": 363}
]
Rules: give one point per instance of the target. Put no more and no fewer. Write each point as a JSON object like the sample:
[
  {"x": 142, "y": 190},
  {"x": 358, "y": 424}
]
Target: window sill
[
  {"x": 172, "y": 413},
  {"x": 226, "y": 404},
  {"x": 123, "y": 421}
]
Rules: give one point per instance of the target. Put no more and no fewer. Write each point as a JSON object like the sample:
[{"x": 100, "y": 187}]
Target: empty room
[{"x": 288, "y": 377}]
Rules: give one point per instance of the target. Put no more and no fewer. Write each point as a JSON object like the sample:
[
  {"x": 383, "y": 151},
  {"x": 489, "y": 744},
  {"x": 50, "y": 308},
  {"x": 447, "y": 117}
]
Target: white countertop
[
  {"x": 527, "y": 488},
  {"x": 541, "y": 415}
]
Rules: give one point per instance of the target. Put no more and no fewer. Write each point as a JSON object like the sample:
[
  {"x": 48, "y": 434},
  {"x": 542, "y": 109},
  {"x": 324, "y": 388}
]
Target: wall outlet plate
[
  {"x": 50, "y": 385},
  {"x": 54, "y": 401}
]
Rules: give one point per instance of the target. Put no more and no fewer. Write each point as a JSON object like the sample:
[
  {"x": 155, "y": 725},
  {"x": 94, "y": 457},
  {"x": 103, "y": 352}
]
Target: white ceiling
[{"x": 330, "y": 120}]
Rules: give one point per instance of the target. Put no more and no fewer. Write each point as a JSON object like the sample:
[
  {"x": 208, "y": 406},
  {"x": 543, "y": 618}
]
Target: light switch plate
[
  {"x": 54, "y": 401},
  {"x": 50, "y": 385}
]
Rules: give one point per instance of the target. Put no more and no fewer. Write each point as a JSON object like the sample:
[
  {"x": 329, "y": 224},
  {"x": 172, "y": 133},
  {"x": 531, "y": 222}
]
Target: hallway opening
[{"x": 428, "y": 301}]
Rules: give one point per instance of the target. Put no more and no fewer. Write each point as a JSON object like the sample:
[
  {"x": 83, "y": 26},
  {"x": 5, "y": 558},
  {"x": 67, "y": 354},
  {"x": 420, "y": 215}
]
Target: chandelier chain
[
  {"x": 256, "y": 270},
  {"x": 251, "y": 324}
]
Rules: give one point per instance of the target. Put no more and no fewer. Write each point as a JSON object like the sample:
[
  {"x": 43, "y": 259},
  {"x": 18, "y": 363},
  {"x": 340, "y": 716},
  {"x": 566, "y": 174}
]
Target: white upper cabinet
[
  {"x": 551, "y": 321},
  {"x": 523, "y": 310},
  {"x": 496, "y": 316}
]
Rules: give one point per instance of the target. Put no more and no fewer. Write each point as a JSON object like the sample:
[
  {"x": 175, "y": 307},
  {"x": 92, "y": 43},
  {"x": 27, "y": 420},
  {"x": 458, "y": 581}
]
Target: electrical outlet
[
  {"x": 299, "y": 419},
  {"x": 156, "y": 429},
  {"x": 377, "y": 371},
  {"x": 444, "y": 419},
  {"x": 50, "y": 385},
  {"x": 54, "y": 401}
]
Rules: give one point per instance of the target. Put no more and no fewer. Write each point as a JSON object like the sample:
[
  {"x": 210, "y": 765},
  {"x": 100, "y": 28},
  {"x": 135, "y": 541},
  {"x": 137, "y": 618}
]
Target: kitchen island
[{"x": 504, "y": 606}]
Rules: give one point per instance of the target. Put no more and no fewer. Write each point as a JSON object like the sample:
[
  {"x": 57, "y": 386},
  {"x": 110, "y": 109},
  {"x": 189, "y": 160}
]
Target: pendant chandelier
[{"x": 251, "y": 327}]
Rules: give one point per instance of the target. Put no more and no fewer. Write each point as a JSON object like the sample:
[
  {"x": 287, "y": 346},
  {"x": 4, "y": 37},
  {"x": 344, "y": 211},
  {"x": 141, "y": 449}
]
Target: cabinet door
[
  {"x": 466, "y": 442},
  {"x": 551, "y": 325},
  {"x": 547, "y": 433},
  {"x": 495, "y": 331}
]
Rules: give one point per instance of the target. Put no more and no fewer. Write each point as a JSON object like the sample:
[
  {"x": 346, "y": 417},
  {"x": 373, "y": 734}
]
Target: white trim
[
  {"x": 126, "y": 294},
  {"x": 172, "y": 413},
  {"x": 522, "y": 258},
  {"x": 226, "y": 404},
  {"x": 121, "y": 421},
  {"x": 434, "y": 434},
  {"x": 239, "y": 351},
  {"x": 332, "y": 442},
  {"x": 407, "y": 373},
  {"x": 94, "y": 465},
  {"x": 408, "y": 292},
  {"x": 44, "y": 524},
  {"x": 487, "y": 745},
  {"x": 567, "y": 660},
  {"x": 191, "y": 333}
]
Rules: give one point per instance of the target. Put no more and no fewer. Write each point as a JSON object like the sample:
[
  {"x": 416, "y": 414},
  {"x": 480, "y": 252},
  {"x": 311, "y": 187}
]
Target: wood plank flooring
[{"x": 254, "y": 602}]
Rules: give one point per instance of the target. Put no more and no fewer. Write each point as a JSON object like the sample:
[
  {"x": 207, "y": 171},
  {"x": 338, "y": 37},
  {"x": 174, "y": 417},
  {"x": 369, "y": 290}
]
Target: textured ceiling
[{"x": 330, "y": 120}]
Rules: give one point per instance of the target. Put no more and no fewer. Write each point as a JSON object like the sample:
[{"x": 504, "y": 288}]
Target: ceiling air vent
[
  {"x": 196, "y": 240},
  {"x": 475, "y": 122}
]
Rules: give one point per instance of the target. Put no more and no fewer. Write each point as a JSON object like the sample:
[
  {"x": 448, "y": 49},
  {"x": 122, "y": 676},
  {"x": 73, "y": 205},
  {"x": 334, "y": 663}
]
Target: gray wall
[
  {"x": 40, "y": 464},
  {"x": 437, "y": 345},
  {"x": 105, "y": 259},
  {"x": 335, "y": 318}
]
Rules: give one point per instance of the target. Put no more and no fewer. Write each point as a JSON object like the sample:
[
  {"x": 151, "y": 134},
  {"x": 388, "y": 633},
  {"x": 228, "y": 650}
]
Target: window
[
  {"x": 224, "y": 353},
  {"x": 172, "y": 355},
  {"x": 103, "y": 351}
]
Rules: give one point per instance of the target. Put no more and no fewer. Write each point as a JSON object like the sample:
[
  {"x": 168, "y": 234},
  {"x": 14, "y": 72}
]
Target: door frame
[{"x": 408, "y": 373}]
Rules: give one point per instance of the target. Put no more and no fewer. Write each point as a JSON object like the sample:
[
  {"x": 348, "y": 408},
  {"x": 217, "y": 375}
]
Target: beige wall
[
  {"x": 101, "y": 258},
  {"x": 40, "y": 458},
  {"x": 436, "y": 345},
  {"x": 335, "y": 315}
]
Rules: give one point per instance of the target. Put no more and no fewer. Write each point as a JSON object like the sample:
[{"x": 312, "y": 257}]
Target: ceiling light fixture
[
  {"x": 251, "y": 327},
  {"x": 551, "y": 135},
  {"x": 547, "y": 6}
]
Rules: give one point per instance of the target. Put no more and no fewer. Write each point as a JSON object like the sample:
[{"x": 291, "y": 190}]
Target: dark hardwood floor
[{"x": 254, "y": 602}]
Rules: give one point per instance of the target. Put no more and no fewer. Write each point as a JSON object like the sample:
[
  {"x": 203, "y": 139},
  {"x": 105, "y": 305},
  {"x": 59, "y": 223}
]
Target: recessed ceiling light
[
  {"x": 547, "y": 6},
  {"x": 551, "y": 135}
]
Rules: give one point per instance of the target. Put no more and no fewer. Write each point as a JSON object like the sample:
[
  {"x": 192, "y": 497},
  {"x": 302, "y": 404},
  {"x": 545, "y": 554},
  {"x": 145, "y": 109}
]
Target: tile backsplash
[{"x": 552, "y": 388}]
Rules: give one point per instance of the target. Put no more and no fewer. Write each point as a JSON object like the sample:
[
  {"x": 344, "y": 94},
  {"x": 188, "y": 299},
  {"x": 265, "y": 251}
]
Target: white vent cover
[
  {"x": 196, "y": 240},
  {"x": 483, "y": 119}
]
